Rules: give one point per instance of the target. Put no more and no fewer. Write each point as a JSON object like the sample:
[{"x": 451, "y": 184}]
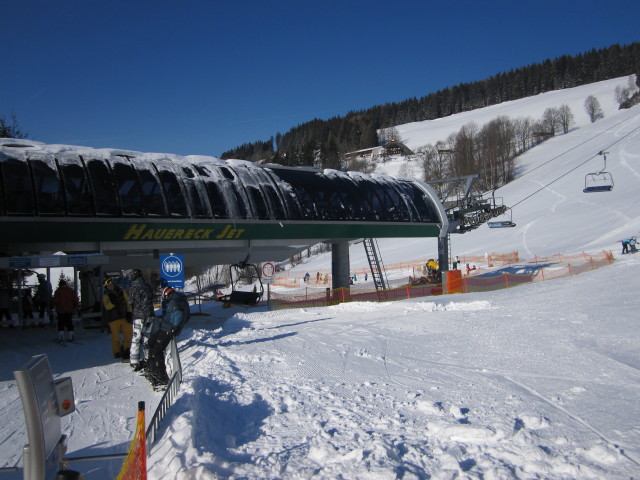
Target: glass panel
[
  {"x": 76, "y": 186},
  {"x": 328, "y": 202},
  {"x": 355, "y": 202},
  {"x": 196, "y": 193},
  {"x": 270, "y": 193},
  {"x": 151, "y": 190},
  {"x": 414, "y": 216},
  {"x": 260, "y": 203},
  {"x": 17, "y": 187},
  {"x": 48, "y": 186},
  {"x": 301, "y": 189},
  {"x": 369, "y": 190},
  {"x": 223, "y": 191},
  {"x": 377, "y": 207},
  {"x": 423, "y": 203},
  {"x": 276, "y": 201},
  {"x": 321, "y": 196},
  {"x": 232, "y": 192},
  {"x": 129, "y": 188},
  {"x": 176, "y": 202},
  {"x": 104, "y": 191},
  {"x": 287, "y": 196},
  {"x": 397, "y": 207},
  {"x": 216, "y": 199}
]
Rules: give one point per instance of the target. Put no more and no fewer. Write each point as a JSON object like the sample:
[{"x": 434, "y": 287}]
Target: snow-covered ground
[
  {"x": 536, "y": 382},
  {"x": 418, "y": 134}
]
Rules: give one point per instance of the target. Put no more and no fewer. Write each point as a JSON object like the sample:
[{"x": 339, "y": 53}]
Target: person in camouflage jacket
[{"x": 141, "y": 298}]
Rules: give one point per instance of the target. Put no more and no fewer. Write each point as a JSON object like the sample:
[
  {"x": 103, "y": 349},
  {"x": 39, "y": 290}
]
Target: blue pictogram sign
[{"x": 172, "y": 270}]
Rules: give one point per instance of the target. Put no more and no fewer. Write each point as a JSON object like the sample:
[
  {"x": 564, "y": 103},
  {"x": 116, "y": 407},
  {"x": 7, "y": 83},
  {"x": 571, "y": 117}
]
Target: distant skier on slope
[{"x": 625, "y": 245}]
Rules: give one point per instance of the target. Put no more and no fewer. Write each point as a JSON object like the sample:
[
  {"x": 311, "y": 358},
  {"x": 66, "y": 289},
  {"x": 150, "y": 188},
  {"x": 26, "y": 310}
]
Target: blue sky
[{"x": 202, "y": 77}]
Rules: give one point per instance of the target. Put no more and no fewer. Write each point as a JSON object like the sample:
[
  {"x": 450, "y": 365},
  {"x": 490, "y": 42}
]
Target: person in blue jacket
[
  {"x": 176, "y": 314},
  {"x": 625, "y": 245}
]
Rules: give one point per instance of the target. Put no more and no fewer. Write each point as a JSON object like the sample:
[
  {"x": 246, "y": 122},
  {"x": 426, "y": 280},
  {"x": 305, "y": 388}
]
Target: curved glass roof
[{"x": 88, "y": 182}]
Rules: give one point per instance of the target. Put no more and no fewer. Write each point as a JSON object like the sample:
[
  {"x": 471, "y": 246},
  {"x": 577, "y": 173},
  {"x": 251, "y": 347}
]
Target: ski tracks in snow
[
  {"x": 610, "y": 449},
  {"x": 302, "y": 394}
]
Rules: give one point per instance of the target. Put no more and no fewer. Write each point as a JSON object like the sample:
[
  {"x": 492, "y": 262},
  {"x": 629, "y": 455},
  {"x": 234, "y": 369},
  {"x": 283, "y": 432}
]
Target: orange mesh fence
[
  {"x": 553, "y": 273},
  {"x": 485, "y": 284},
  {"x": 135, "y": 465},
  {"x": 295, "y": 279},
  {"x": 317, "y": 297},
  {"x": 604, "y": 258}
]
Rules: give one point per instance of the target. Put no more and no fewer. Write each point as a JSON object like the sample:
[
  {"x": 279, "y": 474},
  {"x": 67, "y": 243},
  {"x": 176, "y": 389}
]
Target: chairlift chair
[
  {"x": 501, "y": 223},
  {"x": 246, "y": 274},
  {"x": 601, "y": 181}
]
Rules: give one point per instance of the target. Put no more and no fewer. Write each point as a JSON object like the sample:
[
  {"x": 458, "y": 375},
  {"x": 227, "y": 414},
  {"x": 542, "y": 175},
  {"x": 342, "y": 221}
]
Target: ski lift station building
[{"x": 121, "y": 209}]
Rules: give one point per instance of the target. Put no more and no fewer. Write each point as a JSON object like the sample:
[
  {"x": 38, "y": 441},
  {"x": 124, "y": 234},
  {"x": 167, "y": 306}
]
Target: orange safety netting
[
  {"x": 135, "y": 465},
  {"x": 539, "y": 269},
  {"x": 295, "y": 279}
]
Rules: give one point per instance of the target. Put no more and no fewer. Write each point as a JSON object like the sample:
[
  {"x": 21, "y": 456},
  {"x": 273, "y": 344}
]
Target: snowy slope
[
  {"x": 535, "y": 382},
  {"x": 418, "y": 134},
  {"x": 550, "y": 210}
]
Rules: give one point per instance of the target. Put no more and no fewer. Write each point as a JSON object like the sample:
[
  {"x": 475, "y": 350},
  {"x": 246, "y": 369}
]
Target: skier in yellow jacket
[{"x": 117, "y": 312}]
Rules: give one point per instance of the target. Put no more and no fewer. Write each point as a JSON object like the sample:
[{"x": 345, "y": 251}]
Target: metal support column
[
  {"x": 340, "y": 267},
  {"x": 443, "y": 260}
]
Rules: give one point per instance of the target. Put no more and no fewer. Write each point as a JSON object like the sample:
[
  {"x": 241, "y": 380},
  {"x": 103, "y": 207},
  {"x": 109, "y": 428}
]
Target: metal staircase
[{"x": 375, "y": 264}]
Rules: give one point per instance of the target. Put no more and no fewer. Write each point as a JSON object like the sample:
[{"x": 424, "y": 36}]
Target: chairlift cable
[
  {"x": 579, "y": 145},
  {"x": 576, "y": 167}
]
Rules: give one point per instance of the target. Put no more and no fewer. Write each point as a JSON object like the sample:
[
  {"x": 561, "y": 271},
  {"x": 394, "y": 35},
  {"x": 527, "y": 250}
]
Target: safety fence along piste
[{"x": 492, "y": 275}]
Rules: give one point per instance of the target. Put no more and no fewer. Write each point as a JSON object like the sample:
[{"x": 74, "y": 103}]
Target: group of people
[
  {"x": 322, "y": 278},
  {"x": 629, "y": 245},
  {"x": 137, "y": 335},
  {"x": 63, "y": 300},
  {"x": 41, "y": 303}
]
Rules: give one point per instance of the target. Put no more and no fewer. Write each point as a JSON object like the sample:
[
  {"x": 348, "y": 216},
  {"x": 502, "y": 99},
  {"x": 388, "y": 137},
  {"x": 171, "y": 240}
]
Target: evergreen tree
[{"x": 9, "y": 128}]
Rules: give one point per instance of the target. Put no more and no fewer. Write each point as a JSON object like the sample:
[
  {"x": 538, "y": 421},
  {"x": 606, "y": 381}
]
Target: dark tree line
[
  {"x": 9, "y": 128},
  {"x": 321, "y": 142}
]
